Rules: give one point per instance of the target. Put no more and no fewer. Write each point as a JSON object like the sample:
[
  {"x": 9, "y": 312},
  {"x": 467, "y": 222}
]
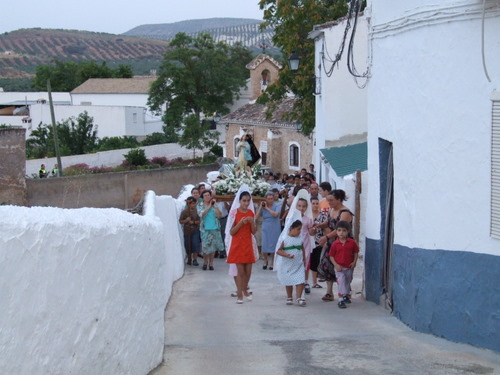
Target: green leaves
[
  {"x": 76, "y": 136},
  {"x": 198, "y": 76},
  {"x": 65, "y": 76},
  {"x": 292, "y": 21}
]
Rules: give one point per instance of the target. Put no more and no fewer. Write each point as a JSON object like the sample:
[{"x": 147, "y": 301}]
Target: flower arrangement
[{"x": 231, "y": 183}]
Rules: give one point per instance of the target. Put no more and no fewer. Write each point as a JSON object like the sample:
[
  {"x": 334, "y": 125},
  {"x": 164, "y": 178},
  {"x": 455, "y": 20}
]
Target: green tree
[
  {"x": 292, "y": 21},
  {"x": 65, "y": 76},
  {"x": 196, "y": 134},
  {"x": 197, "y": 76},
  {"x": 62, "y": 76},
  {"x": 76, "y": 136}
]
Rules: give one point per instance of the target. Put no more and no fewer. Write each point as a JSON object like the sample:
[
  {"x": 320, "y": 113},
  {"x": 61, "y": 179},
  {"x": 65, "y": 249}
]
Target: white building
[
  {"x": 432, "y": 109},
  {"x": 341, "y": 115},
  {"x": 117, "y": 105}
]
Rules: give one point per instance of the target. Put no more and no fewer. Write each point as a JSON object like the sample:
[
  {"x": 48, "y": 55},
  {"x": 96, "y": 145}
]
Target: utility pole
[{"x": 54, "y": 128}]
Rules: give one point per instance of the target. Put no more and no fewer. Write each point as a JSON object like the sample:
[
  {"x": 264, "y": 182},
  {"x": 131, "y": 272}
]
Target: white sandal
[
  {"x": 239, "y": 301},
  {"x": 289, "y": 301},
  {"x": 301, "y": 302}
]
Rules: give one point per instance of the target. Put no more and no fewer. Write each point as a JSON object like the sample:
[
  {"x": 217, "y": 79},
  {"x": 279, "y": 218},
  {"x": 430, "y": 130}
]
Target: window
[
  {"x": 294, "y": 154},
  {"x": 263, "y": 158},
  {"x": 235, "y": 142},
  {"x": 134, "y": 118},
  {"x": 495, "y": 165},
  {"x": 265, "y": 79}
]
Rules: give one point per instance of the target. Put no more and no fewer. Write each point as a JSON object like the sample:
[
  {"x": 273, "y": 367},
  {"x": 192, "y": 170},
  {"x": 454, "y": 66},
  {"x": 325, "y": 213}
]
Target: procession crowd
[{"x": 300, "y": 229}]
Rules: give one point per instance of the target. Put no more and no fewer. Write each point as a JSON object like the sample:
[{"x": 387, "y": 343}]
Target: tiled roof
[
  {"x": 259, "y": 59},
  {"x": 255, "y": 114},
  {"x": 135, "y": 85},
  {"x": 346, "y": 160}
]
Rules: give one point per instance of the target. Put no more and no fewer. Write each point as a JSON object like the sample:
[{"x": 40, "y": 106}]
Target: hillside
[
  {"x": 21, "y": 51},
  {"x": 142, "y": 48},
  {"x": 230, "y": 30}
]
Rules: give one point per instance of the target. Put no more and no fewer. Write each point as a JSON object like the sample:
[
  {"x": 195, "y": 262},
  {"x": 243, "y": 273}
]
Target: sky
[{"x": 116, "y": 17}]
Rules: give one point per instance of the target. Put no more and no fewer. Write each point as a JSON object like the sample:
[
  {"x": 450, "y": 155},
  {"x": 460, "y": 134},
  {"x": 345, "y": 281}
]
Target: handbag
[{"x": 326, "y": 269}]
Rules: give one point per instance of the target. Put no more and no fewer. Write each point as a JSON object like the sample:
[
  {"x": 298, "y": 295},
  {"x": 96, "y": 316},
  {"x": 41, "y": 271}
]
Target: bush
[
  {"x": 155, "y": 139},
  {"x": 217, "y": 150},
  {"x": 162, "y": 161},
  {"x": 136, "y": 157},
  {"x": 116, "y": 143}
]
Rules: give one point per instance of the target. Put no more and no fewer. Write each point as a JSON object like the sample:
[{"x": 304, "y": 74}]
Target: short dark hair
[
  {"x": 325, "y": 186},
  {"x": 205, "y": 192},
  {"x": 344, "y": 224},
  {"x": 190, "y": 199},
  {"x": 296, "y": 224}
]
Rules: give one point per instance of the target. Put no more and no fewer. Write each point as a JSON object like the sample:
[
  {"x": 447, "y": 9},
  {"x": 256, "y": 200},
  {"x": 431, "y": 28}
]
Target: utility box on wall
[{"x": 13, "y": 166}]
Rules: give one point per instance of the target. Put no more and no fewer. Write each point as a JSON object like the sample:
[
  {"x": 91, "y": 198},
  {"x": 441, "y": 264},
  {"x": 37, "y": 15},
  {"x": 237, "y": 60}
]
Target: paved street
[{"x": 208, "y": 333}]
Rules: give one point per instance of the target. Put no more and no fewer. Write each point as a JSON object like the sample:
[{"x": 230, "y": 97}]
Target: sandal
[
  {"x": 239, "y": 301},
  {"x": 301, "y": 302},
  {"x": 317, "y": 286},
  {"x": 289, "y": 301},
  {"x": 327, "y": 297}
]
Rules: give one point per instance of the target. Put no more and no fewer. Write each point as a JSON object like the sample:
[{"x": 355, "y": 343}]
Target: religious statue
[{"x": 247, "y": 157}]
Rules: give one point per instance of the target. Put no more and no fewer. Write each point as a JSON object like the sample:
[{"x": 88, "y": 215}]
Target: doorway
[{"x": 386, "y": 169}]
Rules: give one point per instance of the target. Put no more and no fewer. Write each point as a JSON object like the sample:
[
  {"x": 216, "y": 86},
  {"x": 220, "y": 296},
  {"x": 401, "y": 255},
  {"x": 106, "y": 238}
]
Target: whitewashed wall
[
  {"x": 8, "y": 96},
  {"x": 111, "y": 158},
  {"x": 430, "y": 97},
  {"x": 111, "y": 121},
  {"x": 341, "y": 108},
  {"x": 133, "y": 100},
  {"x": 84, "y": 291}
]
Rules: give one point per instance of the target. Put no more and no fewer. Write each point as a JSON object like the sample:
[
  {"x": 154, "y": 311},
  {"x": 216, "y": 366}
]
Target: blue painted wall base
[{"x": 451, "y": 294}]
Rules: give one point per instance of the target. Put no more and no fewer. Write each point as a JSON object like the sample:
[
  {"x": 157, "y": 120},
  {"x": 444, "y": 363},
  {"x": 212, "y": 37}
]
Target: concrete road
[{"x": 207, "y": 333}]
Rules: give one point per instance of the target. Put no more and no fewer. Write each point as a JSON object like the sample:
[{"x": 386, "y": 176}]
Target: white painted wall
[
  {"x": 111, "y": 121},
  {"x": 341, "y": 108},
  {"x": 111, "y": 158},
  {"x": 84, "y": 291},
  {"x": 128, "y": 100},
  {"x": 8, "y": 97},
  {"x": 430, "y": 97}
]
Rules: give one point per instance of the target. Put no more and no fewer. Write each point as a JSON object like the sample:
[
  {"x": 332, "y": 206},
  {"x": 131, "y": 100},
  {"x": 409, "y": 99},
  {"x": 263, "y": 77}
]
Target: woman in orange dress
[{"x": 241, "y": 251}]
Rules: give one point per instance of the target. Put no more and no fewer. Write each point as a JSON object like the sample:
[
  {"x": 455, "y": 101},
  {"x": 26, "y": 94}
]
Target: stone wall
[
  {"x": 121, "y": 190},
  {"x": 12, "y": 166}
]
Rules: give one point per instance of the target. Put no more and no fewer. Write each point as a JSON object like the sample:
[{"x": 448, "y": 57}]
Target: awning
[{"x": 346, "y": 160}]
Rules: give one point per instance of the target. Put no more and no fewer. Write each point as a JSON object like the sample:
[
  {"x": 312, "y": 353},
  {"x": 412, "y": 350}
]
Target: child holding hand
[
  {"x": 291, "y": 269},
  {"x": 344, "y": 255}
]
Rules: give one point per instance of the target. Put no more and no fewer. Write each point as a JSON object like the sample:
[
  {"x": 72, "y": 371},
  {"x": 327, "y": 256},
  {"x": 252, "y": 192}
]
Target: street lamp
[{"x": 293, "y": 64}]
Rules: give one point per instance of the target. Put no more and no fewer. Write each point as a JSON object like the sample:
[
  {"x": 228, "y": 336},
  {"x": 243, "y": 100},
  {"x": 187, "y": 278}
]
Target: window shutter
[{"x": 495, "y": 168}]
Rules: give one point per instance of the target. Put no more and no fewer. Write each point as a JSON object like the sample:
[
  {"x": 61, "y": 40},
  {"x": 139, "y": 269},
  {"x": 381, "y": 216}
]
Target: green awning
[{"x": 346, "y": 160}]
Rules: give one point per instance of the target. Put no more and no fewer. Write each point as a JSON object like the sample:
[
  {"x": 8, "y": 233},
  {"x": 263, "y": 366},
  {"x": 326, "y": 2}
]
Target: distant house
[{"x": 117, "y": 105}]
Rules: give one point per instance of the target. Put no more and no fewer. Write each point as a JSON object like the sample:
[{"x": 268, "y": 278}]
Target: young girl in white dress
[{"x": 291, "y": 268}]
